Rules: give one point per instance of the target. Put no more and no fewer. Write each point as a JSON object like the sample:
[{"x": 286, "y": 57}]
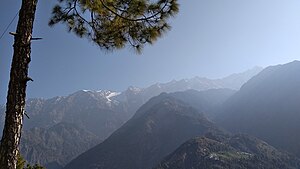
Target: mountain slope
[
  {"x": 208, "y": 102},
  {"x": 93, "y": 111},
  {"x": 56, "y": 146},
  {"x": 158, "y": 128},
  {"x": 238, "y": 152},
  {"x": 267, "y": 106}
]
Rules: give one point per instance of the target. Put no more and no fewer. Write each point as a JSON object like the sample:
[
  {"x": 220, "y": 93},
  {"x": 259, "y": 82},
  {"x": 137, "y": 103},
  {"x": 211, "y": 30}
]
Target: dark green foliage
[
  {"x": 36, "y": 166},
  {"x": 113, "y": 24},
  {"x": 21, "y": 164}
]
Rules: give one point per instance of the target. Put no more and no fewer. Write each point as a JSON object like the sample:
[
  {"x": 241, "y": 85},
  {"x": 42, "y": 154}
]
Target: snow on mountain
[{"x": 105, "y": 96}]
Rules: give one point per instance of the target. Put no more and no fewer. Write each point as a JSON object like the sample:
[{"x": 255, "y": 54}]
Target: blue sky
[{"x": 211, "y": 38}]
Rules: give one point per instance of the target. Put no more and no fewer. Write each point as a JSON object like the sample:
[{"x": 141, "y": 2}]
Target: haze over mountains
[
  {"x": 208, "y": 102},
  {"x": 151, "y": 134},
  {"x": 152, "y": 131},
  {"x": 100, "y": 113},
  {"x": 143, "y": 133},
  {"x": 223, "y": 150}
]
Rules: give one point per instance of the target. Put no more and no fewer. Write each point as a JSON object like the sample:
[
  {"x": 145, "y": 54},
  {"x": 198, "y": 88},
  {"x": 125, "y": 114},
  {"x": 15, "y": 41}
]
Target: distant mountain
[
  {"x": 267, "y": 106},
  {"x": 56, "y": 146},
  {"x": 157, "y": 129},
  {"x": 208, "y": 102},
  {"x": 234, "y": 82},
  {"x": 236, "y": 152}
]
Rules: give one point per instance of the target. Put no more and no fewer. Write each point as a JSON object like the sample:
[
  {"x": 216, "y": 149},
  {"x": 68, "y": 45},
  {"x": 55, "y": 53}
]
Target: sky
[{"x": 209, "y": 38}]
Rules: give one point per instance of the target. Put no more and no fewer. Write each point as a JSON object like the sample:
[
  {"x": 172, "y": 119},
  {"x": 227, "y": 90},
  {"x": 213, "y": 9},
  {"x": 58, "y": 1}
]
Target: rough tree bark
[{"x": 15, "y": 106}]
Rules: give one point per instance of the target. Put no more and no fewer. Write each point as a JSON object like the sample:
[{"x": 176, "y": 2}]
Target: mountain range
[
  {"x": 168, "y": 127},
  {"x": 97, "y": 114},
  {"x": 104, "y": 111},
  {"x": 266, "y": 107},
  {"x": 190, "y": 123}
]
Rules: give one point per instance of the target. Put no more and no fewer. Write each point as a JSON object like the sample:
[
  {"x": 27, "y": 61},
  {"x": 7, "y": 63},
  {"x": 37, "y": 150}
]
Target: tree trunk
[{"x": 15, "y": 106}]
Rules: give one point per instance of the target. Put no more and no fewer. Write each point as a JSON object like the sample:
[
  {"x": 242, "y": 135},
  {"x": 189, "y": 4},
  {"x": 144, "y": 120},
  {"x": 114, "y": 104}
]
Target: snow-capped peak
[{"x": 112, "y": 94}]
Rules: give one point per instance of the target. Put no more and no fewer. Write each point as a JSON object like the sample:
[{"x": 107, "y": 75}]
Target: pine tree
[{"x": 111, "y": 24}]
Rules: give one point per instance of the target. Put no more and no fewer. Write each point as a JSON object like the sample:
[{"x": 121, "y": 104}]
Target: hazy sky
[{"x": 210, "y": 38}]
